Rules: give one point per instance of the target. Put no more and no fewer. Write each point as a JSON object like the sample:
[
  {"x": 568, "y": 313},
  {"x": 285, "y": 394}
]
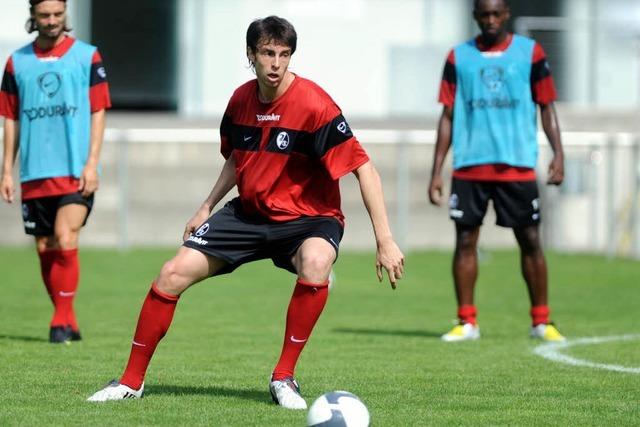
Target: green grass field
[{"x": 212, "y": 368}]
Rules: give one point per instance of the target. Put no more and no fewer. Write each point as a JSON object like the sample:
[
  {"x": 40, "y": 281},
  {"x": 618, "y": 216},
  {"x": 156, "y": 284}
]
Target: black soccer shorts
[
  {"x": 237, "y": 239},
  {"x": 517, "y": 204},
  {"x": 39, "y": 215}
]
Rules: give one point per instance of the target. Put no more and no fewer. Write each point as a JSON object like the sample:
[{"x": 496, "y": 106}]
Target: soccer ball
[{"x": 338, "y": 409}]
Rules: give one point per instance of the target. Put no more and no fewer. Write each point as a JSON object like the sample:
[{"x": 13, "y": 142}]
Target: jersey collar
[{"x": 57, "y": 51}]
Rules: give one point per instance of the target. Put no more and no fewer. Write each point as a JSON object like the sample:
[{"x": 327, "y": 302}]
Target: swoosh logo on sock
[
  {"x": 66, "y": 294},
  {"x": 294, "y": 339},
  {"x": 138, "y": 344}
]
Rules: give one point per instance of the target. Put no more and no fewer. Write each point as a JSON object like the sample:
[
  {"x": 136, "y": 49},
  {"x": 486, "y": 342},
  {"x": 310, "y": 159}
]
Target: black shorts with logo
[
  {"x": 517, "y": 204},
  {"x": 39, "y": 215},
  {"x": 238, "y": 239}
]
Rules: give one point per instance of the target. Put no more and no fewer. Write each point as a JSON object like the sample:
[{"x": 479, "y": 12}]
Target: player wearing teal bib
[
  {"x": 53, "y": 98},
  {"x": 491, "y": 88}
]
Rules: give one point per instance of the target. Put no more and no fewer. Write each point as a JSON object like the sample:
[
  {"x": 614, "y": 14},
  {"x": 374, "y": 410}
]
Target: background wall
[{"x": 381, "y": 60}]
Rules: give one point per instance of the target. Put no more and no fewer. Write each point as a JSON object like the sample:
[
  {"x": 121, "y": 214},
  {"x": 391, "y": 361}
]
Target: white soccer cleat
[
  {"x": 116, "y": 391},
  {"x": 547, "y": 332},
  {"x": 286, "y": 393},
  {"x": 462, "y": 332}
]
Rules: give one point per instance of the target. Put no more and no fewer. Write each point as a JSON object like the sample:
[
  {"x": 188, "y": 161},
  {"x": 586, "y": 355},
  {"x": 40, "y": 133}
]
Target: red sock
[
  {"x": 467, "y": 314},
  {"x": 154, "y": 321},
  {"x": 64, "y": 275},
  {"x": 46, "y": 261},
  {"x": 540, "y": 314},
  {"x": 305, "y": 307}
]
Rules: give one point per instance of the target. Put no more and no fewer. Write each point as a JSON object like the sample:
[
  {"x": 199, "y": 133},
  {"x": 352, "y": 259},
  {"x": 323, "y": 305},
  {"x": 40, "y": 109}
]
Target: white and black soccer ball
[{"x": 338, "y": 409}]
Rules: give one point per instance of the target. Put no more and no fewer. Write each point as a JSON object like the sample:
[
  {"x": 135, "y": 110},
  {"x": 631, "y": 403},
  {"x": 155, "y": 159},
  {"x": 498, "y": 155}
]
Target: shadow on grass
[
  {"x": 178, "y": 390},
  {"x": 23, "y": 338},
  {"x": 389, "y": 332}
]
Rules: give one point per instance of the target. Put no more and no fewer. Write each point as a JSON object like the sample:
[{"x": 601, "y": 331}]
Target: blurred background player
[
  {"x": 286, "y": 145},
  {"x": 54, "y": 95},
  {"x": 490, "y": 88}
]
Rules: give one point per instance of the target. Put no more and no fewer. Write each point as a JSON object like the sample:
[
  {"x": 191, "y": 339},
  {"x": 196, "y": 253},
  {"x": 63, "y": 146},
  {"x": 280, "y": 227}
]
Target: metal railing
[{"x": 153, "y": 180}]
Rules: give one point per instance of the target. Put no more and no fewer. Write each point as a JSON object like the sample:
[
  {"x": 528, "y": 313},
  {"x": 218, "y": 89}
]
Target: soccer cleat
[
  {"x": 547, "y": 332},
  {"x": 75, "y": 335},
  {"x": 116, "y": 391},
  {"x": 60, "y": 334},
  {"x": 462, "y": 332},
  {"x": 286, "y": 393}
]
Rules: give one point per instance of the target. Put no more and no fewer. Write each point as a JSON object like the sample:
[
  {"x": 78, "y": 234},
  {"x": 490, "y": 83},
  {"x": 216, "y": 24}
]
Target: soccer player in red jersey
[
  {"x": 286, "y": 145},
  {"x": 53, "y": 100},
  {"x": 490, "y": 88}
]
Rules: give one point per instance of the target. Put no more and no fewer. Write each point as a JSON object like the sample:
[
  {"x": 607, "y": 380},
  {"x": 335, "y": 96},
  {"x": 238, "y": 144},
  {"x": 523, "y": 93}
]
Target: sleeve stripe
[
  {"x": 98, "y": 74},
  {"x": 225, "y": 126},
  {"x": 331, "y": 135},
  {"x": 9, "y": 84},
  {"x": 449, "y": 73},
  {"x": 540, "y": 70}
]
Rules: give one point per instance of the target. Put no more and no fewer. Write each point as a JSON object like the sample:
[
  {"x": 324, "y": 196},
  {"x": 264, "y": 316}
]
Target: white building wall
[
  {"x": 12, "y": 33},
  {"x": 603, "y": 52},
  {"x": 343, "y": 45},
  {"x": 377, "y": 58},
  {"x": 14, "y": 15}
]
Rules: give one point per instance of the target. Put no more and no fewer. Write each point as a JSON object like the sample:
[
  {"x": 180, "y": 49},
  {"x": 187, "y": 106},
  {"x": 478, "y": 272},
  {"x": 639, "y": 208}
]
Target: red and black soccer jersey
[
  {"x": 543, "y": 91},
  {"x": 10, "y": 103},
  {"x": 289, "y": 153}
]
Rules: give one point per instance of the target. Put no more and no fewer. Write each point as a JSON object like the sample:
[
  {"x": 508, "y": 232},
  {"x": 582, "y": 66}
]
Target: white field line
[{"x": 553, "y": 352}]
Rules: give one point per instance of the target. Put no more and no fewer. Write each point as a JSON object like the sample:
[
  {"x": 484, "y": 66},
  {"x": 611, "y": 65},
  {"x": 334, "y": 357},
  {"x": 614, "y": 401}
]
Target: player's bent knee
[
  {"x": 67, "y": 240},
  {"x": 171, "y": 280},
  {"x": 317, "y": 263}
]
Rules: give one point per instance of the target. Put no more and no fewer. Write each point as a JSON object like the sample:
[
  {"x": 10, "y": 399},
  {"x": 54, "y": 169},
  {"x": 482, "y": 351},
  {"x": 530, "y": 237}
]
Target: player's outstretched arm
[
  {"x": 551, "y": 129},
  {"x": 388, "y": 255},
  {"x": 89, "y": 180},
  {"x": 443, "y": 142},
  {"x": 225, "y": 182},
  {"x": 7, "y": 186}
]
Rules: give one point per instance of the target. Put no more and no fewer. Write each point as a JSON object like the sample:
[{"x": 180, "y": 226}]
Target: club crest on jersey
[
  {"x": 492, "y": 77},
  {"x": 343, "y": 127},
  {"x": 50, "y": 83},
  {"x": 282, "y": 140},
  {"x": 202, "y": 230}
]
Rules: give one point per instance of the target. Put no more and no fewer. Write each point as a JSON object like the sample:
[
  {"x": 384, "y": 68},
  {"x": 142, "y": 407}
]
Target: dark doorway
[{"x": 138, "y": 42}]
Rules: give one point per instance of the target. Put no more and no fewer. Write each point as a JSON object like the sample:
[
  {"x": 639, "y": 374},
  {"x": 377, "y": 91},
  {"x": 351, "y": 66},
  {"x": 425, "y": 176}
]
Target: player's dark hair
[
  {"x": 30, "y": 25},
  {"x": 476, "y": 4},
  {"x": 271, "y": 28}
]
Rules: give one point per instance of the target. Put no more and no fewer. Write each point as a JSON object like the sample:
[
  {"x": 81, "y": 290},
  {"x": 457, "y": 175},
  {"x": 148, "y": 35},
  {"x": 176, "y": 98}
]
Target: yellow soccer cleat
[
  {"x": 547, "y": 332},
  {"x": 462, "y": 332}
]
